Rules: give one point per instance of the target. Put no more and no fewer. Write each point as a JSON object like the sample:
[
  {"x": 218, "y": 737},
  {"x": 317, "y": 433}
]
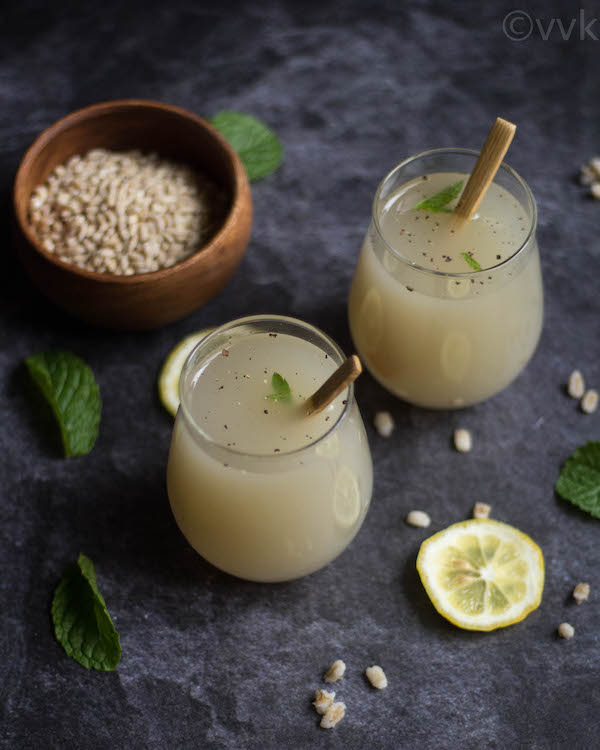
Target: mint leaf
[
  {"x": 82, "y": 624},
  {"x": 439, "y": 201},
  {"x": 471, "y": 261},
  {"x": 281, "y": 389},
  {"x": 73, "y": 394},
  {"x": 257, "y": 146},
  {"x": 579, "y": 479}
]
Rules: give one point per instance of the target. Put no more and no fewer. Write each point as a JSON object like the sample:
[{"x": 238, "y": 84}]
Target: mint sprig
[
  {"x": 471, "y": 261},
  {"x": 579, "y": 479},
  {"x": 256, "y": 144},
  {"x": 439, "y": 201},
  {"x": 281, "y": 389},
  {"x": 82, "y": 624},
  {"x": 71, "y": 390}
]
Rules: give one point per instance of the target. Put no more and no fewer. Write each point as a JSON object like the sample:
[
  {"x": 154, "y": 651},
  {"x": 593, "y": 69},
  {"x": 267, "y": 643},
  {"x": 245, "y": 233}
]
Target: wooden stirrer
[
  {"x": 493, "y": 151},
  {"x": 345, "y": 374}
]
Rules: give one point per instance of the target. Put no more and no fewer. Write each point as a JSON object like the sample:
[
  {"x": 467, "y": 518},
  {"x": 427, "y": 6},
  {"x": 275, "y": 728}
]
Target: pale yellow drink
[
  {"x": 430, "y": 327},
  {"x": 258, "y": 488}
]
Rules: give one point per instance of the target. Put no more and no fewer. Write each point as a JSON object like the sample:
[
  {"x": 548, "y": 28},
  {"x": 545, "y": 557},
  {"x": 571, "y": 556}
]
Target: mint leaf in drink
[
  {"x": 281, "y": 389},
  {"x": 439, "y": 201},
  {"x": 579, "y": 479},
  {"x": 471, "y": 261},
  {"x": 71, "y": 390},
  {"x": 82, "y": 624},
  {"x": 257, "y": 145}
]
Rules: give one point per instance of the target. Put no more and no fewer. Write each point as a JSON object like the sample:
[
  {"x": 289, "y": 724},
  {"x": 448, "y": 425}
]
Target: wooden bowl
[{"x": 145, "y": 300}]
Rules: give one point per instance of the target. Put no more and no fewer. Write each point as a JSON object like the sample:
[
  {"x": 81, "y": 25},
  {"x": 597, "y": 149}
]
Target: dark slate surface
[{"x": 211, "y": 662}]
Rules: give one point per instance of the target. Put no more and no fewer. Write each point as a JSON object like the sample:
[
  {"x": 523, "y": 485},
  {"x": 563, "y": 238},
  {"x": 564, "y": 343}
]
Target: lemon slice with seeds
[
  {"x": 482, "y": 574},
  {"x": 168, "y": 379}
]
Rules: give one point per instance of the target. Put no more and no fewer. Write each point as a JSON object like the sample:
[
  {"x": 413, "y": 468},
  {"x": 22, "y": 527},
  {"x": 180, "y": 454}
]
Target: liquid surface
[
  {"x": 230, "y": 394},
  {"x": 432, "y": 240}
]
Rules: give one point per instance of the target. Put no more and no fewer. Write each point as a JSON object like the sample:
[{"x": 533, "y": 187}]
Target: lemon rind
[{"x": 168, "y": 377}]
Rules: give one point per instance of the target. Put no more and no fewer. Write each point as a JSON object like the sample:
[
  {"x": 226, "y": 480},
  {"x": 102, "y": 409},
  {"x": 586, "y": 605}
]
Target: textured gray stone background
[{"x": 211, "y": 662}]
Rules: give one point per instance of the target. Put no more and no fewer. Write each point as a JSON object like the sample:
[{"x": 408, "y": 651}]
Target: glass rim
[
  {"x": 238, "y": 322},
  {"x": 454, "y": 274}
]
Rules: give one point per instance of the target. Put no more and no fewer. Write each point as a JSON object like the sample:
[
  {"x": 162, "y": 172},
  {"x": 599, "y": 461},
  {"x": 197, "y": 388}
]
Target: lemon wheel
[
  {"x": 482, "y": 574},
  {"x": 168, "y": 379}
]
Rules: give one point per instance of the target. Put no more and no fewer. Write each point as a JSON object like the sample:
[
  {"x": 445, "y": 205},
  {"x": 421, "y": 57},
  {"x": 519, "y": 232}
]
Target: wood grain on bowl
[{"x": 149, "y": 300}]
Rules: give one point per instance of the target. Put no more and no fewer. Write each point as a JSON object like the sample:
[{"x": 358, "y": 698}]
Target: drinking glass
[
  {"x": 445, "y": 340},
  {"x": 277, "y": 516}
]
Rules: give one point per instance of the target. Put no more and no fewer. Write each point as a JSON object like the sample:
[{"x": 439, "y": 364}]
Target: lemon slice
[
  {"x": 346, "y": 498},
  {"x": 482, "y": 574},
  {"x": 168, "y": 379}
]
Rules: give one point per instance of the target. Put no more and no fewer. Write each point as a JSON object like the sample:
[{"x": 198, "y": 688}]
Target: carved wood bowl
[{"x": 144, "y": 300}]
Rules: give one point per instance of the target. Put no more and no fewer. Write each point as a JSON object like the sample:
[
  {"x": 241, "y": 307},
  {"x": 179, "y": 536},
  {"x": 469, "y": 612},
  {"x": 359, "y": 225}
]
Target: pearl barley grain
[
  {"x": 335, "y": 671},
  {"x": 334, "y": 714},
  {"x": 323, "y": 700},
  {"x": 589, "y": 402},
  {"x": 384, "y": 423},
  {"x": 576, "y": 385},
  {"x": 595, "y": 166},
  {"x": 565, "y": 630},
  {"x": 463, "y": 442},
  {"x": 482, "y": 510},
  {"x": 376, "y": 677},
  {"x": 581, "y": 592},
  {"x": 418, "y": 518}
]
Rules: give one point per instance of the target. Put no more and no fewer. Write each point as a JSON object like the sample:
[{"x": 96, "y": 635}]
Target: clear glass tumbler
[
  {"x": 446, "y": 339},
  {"x": 258, "y": 512}
]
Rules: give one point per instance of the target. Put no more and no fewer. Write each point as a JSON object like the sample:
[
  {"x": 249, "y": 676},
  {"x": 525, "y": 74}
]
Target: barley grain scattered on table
[
  {"x": 463, "y": 441},
  {"x": 589, "y": 402},
  {"x": 418, "y": 518},
  {"x": 581, "y": 592},
  {"x": 335, "y": 671},
  {"x": 566, "y": 630},
  {"x": 384, "y": 423},
  {"x": 576, "y": 385},
  {"x": 323, "y": 699},
  {"x": 481, "y": 510}
]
